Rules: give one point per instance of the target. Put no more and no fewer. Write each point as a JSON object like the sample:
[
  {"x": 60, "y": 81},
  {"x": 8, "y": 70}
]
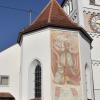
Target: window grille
[{"x": 38, "y": 81}]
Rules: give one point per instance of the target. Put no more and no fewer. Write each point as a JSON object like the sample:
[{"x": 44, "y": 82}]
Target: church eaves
[{"x": 53, "y": 16}]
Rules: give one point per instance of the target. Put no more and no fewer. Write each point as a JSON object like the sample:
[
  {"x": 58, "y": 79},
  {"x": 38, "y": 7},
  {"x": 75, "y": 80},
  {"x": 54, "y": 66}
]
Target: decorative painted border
[{"x": 91, "y": 12}]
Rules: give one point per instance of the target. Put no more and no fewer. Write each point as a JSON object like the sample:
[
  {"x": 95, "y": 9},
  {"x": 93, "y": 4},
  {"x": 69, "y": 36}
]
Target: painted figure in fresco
[
  {"x": 67, "y": 59},
  {"x": 65, "y": 66}
]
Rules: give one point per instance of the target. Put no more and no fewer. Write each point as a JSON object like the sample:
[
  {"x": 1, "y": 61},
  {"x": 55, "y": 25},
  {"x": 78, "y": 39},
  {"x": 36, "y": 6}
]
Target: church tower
[
  {"x": 55, "y": 52},
  {"x": 87, "y": 14}
]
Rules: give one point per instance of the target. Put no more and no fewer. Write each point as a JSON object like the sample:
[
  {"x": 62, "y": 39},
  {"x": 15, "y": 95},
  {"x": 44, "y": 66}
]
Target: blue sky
[{"x": 12, "y": 21}]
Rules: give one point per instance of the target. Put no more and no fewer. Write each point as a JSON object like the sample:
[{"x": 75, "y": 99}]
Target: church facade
[
  {"x": 87, "y": 14},
  {"x": 52, "y": 59}
]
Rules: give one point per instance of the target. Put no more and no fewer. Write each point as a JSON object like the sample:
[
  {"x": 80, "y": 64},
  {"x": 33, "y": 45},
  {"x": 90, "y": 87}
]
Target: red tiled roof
[{"x": 52, "y": 15}]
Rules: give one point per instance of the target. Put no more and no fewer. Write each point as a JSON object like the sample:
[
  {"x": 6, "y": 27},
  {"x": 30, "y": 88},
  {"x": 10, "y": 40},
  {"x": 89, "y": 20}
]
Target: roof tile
[{"x": 52, "y": 14}]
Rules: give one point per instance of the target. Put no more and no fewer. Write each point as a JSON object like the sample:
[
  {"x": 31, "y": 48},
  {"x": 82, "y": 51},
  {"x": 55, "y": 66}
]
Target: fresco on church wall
[{"x": 65, "y": 66}]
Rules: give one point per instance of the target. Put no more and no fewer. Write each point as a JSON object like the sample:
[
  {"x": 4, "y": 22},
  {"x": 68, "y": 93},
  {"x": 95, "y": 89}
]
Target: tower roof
[{"x": 52, "y": 15}]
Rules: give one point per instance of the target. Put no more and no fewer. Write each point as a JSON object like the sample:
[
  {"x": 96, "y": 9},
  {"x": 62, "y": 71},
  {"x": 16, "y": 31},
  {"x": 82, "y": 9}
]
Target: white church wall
[
  {"x": 95, "y": 52},
  {"x": 10, "y": 66},
  {"x": 96, "y": 79},
  {"x": 97, "y": 94},
  {"x": 36, "y": 45},
  {"x": 86, "y": 59}
]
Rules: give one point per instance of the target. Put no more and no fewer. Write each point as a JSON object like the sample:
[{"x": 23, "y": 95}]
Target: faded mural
[{"x": 65, "y": 66}]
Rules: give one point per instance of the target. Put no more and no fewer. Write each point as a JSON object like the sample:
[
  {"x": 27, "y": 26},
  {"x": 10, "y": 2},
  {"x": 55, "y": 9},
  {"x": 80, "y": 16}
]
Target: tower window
[
  {"x": 38, "y": 81},
  {"x": 4, "y": 80},
  {"x": 68, "y": 7}
]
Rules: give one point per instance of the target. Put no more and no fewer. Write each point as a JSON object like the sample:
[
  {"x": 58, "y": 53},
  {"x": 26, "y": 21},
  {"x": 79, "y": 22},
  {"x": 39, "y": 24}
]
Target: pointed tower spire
[{"x": 52, "y": 16}]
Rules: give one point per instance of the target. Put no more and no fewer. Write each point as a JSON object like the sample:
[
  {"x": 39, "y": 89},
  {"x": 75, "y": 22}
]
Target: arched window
[
  {"x": 34, "y": 83},
  {"x": 38, "y": 81}
]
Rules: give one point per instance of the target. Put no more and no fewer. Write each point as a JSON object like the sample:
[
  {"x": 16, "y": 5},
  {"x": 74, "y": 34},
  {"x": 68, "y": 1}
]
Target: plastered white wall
[
  {"x": 10, "y": 65},
  {"x": 36, "y": 45},
  {"x": 97, "y": 94},
  {"x": 95, "y": 52},
  {"x": 86, "y": 59}
]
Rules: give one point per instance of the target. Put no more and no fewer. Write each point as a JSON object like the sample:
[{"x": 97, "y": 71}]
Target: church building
[{"x": 56, "y": 57}]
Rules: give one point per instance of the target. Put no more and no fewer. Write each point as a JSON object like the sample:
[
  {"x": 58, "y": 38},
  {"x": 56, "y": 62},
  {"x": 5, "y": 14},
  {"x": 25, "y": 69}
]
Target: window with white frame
[
  {"x": 95, "y": 2},
  {"x": 4, "y": 80},
  {"x": 68, "y": 7}
]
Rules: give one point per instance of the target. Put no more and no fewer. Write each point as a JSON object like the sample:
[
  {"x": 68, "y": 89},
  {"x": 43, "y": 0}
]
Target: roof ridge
[{"x": 49, "y": 19}]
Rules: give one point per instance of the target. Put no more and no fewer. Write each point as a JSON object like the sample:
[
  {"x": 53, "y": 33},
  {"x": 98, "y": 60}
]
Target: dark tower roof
[{"x": 52, "y": 15}]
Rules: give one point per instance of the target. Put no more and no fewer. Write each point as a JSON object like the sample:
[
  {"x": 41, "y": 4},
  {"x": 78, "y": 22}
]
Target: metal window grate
[{"x": 38, "y": 81}]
